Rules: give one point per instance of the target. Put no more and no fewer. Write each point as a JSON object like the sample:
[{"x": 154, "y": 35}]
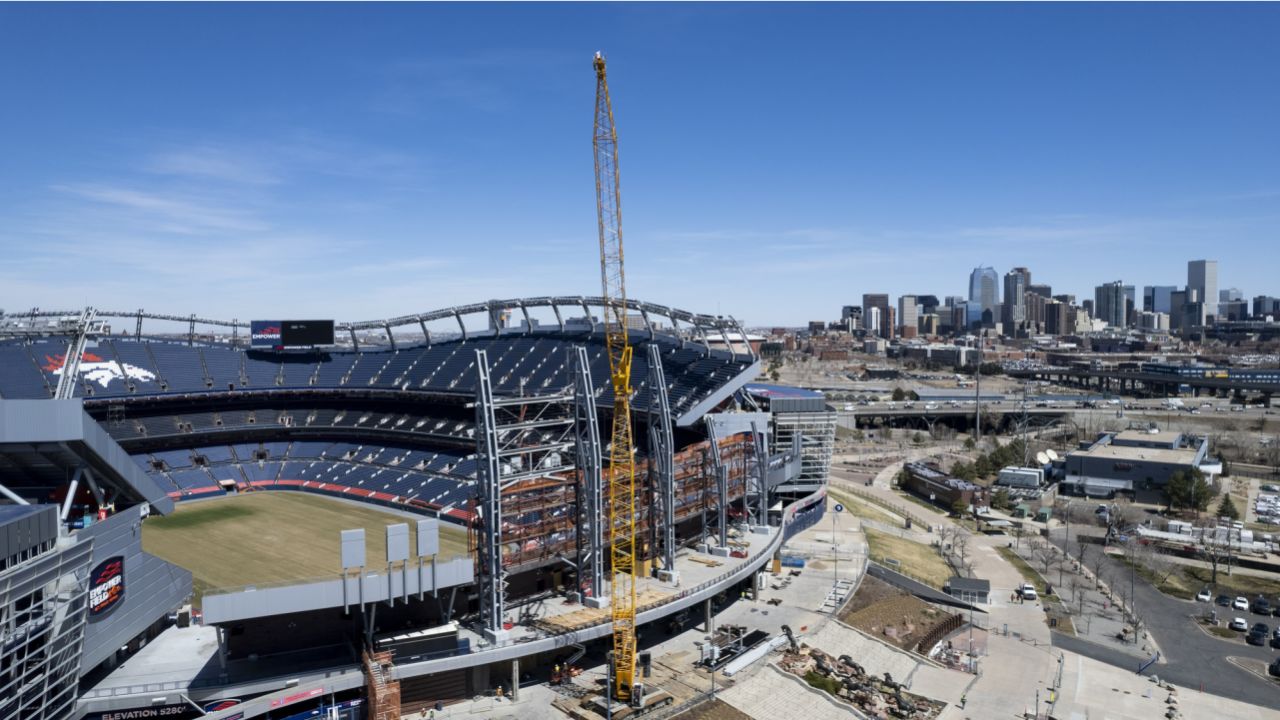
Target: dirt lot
[
  {"x": 883, "y": 611},
  {"x": 714, "y": 710}
]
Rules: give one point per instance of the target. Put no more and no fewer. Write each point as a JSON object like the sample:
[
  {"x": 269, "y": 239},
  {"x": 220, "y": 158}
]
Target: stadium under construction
[{"x": 383, "y": 515}]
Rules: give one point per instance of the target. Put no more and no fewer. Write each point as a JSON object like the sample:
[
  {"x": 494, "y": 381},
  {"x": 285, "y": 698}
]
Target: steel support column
[
  {"x": 518, "y": 439},
  {"x": 590, "y": 490},
  {"x": 75, "y": 353},
  {"x": 662, "y": 518},
  {"x": 489, "y": 508},
  {"x": 762, "y": 474},
  {"x": 722, "y": 486}
]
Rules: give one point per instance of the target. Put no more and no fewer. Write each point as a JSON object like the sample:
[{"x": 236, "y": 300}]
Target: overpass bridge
[
  {"x": 995, "y": 415},
  {"x": 1154, "y": 384}
]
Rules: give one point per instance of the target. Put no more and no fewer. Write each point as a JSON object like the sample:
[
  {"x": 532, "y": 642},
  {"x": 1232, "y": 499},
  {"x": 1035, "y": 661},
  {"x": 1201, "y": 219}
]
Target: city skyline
[{"x": 443, "y": 157}]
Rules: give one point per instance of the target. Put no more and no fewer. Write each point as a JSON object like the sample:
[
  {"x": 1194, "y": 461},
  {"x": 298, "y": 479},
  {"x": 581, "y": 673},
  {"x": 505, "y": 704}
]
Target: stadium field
[{"x": 270, "y": 538}]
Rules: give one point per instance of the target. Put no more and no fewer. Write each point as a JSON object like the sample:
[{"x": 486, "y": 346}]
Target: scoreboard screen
[
  {"x": 306, "y": 333},
  {"x": 287, "y": 334}
]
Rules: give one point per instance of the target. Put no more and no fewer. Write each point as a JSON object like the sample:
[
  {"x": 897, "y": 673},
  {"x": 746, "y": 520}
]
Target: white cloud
[{"x": 214, "y": 163}]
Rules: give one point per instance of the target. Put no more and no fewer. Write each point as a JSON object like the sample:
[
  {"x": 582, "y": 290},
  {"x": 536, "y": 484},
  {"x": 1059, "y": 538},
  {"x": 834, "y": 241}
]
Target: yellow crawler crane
[{"x": 622, "y": 468}]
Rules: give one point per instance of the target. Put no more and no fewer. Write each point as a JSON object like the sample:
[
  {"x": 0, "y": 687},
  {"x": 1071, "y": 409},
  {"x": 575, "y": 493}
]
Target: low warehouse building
[{"x": 1134, "y": 459}]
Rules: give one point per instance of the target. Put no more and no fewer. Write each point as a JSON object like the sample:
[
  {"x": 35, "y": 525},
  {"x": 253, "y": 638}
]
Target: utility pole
[
  {"x": 977, "y": 392},
  {"x": 1026, "y": 447}
]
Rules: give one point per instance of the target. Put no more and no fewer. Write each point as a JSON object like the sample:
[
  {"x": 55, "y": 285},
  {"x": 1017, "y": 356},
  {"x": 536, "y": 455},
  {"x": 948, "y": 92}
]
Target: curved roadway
[{"x": 1191, "y": 657}]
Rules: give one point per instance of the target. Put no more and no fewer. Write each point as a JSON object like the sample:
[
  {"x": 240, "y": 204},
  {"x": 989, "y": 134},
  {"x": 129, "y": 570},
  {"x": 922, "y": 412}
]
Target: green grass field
[{"x": 269, "y": 538}]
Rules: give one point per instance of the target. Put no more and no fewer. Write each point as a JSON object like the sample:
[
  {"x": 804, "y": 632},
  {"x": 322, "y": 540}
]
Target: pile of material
[
  {"x": 873, "y": 696},
  {"x": 586, "y": 617}
]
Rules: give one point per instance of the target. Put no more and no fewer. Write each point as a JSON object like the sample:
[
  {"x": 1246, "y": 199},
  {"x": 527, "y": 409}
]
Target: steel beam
[
  {"x": 722, "y": 485},
  {"x": 590, "y": 491},
  {"x": 762, "y": 474},
  {"x": 662, "y": 523},
  {"x": 489, "y": 508}
]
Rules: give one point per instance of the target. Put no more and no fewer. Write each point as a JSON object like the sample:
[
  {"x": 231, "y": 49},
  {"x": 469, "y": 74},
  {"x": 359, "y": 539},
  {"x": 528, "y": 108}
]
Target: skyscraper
[
  {"x": 908, "y": 315},
  {"x": 1157, "y": 298},
  {"x": 1230, "y": 295},
  {"x": 984, "y": 293},
  {"x": 1109, "y": 304},
  {"x": 881, "y": 301},
  {"x": 1202, "y": 275},
  {"x": 1014, "y": 314}
]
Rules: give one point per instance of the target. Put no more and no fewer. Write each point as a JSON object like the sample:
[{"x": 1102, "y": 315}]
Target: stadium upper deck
[{"x": 115, "y": 367}]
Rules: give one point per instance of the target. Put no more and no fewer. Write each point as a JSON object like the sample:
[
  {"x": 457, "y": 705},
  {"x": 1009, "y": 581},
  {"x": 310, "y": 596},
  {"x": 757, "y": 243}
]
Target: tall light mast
[{"x": 622, "y": 468}]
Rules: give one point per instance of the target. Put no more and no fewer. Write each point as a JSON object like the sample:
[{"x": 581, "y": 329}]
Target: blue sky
[{"x": 363, "y": 161}]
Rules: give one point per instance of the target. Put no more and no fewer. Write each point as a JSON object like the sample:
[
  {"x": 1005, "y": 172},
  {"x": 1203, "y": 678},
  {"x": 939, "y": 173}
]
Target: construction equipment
[{"x": 622, "y": 469}]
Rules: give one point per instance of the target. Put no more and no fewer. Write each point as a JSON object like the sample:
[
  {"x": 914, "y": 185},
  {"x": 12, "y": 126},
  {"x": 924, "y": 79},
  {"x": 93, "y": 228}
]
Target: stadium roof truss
[{"x": 702, "y": 325}]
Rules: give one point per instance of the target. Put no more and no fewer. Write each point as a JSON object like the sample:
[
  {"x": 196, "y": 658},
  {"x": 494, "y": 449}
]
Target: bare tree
[
  {"x": 1044, "y": 554},
  {"x": 1157, "y": 563},
  {"x": 961, "y": 545},
  {"x": 1097, "y": 558}
]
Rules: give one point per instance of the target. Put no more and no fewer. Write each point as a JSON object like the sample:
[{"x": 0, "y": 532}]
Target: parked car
[
  {"x": 1261, "y": 606},
  {"x": 1258, "y": 634},
  {"x": 1238, "y": 624},
  {"x": 1275, "y": 637},
  {"x": 1274, "y": 668},
  {"x": 1224, "y": 600},
  {"x": 1240, "y": 604},
  {"x": 1027, "y": 591},
  {"x": 1205, "y": 596}
]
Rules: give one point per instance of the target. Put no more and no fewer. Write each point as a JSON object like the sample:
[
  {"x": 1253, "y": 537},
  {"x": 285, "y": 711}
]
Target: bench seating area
[{"x": 530, "y": 364}]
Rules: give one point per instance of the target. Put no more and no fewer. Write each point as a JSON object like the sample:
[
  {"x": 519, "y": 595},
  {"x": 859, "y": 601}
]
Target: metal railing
[{"x": 179, "y": 685}]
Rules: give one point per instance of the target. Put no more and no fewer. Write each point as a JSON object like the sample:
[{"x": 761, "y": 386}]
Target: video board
[{"x": 290, "y": 334}]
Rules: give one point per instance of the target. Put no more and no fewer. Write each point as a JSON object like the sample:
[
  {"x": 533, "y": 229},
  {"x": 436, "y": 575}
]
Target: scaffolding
[{"x": 816, "y": 432}]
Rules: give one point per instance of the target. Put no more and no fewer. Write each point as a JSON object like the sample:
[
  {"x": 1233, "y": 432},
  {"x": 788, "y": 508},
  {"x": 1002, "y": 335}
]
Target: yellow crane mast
[{"x": 622, "y": 468}]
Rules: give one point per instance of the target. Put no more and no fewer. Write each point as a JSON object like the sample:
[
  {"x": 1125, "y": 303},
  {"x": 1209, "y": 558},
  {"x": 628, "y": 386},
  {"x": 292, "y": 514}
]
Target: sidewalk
[{"x": 1096, "y": 614}]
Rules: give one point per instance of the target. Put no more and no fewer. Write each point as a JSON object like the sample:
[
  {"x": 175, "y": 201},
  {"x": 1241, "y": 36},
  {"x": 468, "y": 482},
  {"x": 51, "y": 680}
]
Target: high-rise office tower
[
  {"x": 1044, "y": 291},
  {"x": 1157, "y": 298},
  {"x": 984, "y": 293},
  {"x": 1014, "y": 310},
  {"x": 881, "y": 301},
  {"x": 1230, "y": 295},
  {"x": 908, "y": 315},
  {"x": 1109, "y": 304},
  {"x": 1202, "y": 275}
]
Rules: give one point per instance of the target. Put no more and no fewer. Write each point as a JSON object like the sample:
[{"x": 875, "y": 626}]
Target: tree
[
  {"x": 917, "y": 439},
  {"x": 1227, "y": 509},
  {"x": 899, "y": 394},
  {"x": 1000, "y": 500},
  {"x": 959, "y": 507},
  {"x": 1188, "y": 490},
  {"x": 969, "y": 444},
  {"x": 913, "y": 395}
]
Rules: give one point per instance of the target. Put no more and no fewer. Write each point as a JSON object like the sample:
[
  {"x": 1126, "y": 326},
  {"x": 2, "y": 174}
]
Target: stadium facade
[{"x": 493, "y": 432}]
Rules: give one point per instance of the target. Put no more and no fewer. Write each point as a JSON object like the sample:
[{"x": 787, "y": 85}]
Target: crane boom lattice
[{"x": 622, "y": 471}]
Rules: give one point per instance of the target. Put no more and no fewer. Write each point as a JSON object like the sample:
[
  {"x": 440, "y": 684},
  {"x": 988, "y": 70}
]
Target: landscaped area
[
  {"x": 1024, "y": 568},
  {"x": 864, "y": 508},
  {"x": 1185, "y": 581},
  {"x": 915, "y": 559},
  {"x": 893, "y": 615}
]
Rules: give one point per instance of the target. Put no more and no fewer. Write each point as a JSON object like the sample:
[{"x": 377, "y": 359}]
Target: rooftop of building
[
  {"x": 1164, "y": 437},
  {"x": 9, "y": 513},
  {"x": 1181, "y": 456},
  {"x": 781, "y": 391}
]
